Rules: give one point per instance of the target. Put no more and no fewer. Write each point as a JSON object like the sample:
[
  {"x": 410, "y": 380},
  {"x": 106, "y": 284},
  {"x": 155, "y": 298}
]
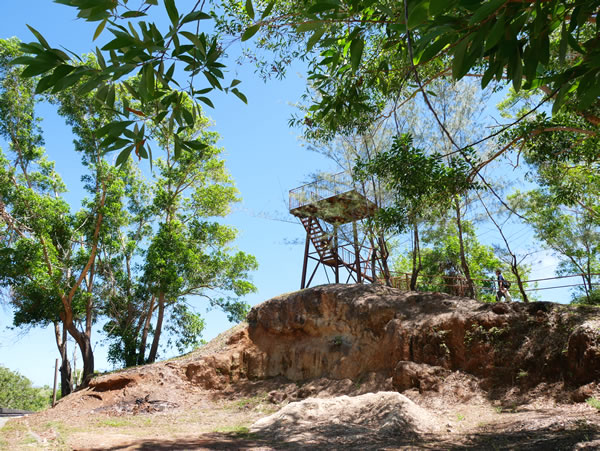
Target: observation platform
[{"x": 335, "y": 200}]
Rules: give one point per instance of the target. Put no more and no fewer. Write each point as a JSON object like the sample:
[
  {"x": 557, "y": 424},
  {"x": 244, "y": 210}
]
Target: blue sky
[{"x": 263, "y": 154}]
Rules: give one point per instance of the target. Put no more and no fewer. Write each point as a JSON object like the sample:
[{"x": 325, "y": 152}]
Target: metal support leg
[
  {"x": 356, "y": 253},
  {"x": 304, "y": 266},
  {"x": 337, "y": 257}
]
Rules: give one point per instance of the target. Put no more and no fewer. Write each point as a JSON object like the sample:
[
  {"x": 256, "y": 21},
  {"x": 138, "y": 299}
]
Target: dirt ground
[{"x": 467, "y": 418}]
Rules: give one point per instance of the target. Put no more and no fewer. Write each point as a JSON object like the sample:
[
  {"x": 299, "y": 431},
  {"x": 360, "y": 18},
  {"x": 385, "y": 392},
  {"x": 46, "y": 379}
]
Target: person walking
[{"x": 503, "y": 286}]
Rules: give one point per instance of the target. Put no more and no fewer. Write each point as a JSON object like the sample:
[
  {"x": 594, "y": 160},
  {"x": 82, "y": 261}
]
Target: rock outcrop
[{"x": 417, "y": 339}]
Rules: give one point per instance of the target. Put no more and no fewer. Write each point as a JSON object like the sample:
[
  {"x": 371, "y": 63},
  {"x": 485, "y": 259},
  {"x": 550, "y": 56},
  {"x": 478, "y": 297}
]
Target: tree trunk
[
  {"x": 158, "y": 329},
  {"x": 87, "y": 354},
  {"x": 463, "y": 259},
  {"x": 416, "y": 259},
  {"x": 384, "y": 258},
  {"x": 514, "y": 267},
  {"x": 66, "y": 379},
  {"x": 144, "y": 339},
  {"x": 515, "y": 270}
]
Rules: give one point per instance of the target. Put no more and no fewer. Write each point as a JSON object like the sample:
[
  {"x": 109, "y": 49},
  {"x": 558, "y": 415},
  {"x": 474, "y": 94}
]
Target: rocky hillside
[
  {"x": 446, "y": 354},
  {"x": 417, "y": 339}
]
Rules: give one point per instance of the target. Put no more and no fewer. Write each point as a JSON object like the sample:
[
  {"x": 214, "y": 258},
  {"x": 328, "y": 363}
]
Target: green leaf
[
  {"x": 496, "y": 33},
  {"x": 418, "y": 14},
  {"x": 100, "y": 59},
  {"x": 214, "y": 82},
  {"x": 113, "y": 128},
  {"x": 356, "y": 51},
  {"x": 99, "y": 29},
  {"x": 193, "y": 37},
  {"x": 517, "y": 78},
  {"x": 241, "y": 96},
  {"x": 433, "y": 48},
  {"x": 487, "y": 76},
  {"x": 205, "y": 100},
  {"x": 196, "y": 144},
  {"x": 38, "y": 68},
  {"x": 439, "y": 6},
  {"x": 484, "y": 11},
  {"x": 268, "y": 9},
  {"x": 317, "y": 35},
  {"x": 560, "y": 97},
  {"x": 39, "y": 37},
  {"x": 132, "y": 14},
  {"x": 149, "y": 76},
  {"x": 172, "y": 11},
  {"x": 323, "y": 5},
  {"x": 194, "y": 16},
  {"x": 562, "y": 51},
  {"x": 124, "y": 156},
  {"x": 458, "y": 69},
  {"x": 250, "y": 9},
  {"x": 309, "y": 26},
  {"x": 250, "y": 31}
]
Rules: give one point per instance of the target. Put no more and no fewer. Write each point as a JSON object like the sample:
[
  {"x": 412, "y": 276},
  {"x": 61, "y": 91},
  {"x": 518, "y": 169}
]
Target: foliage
[
  {"x": 187, "y": 326},
  {"x": 361, "y": 54},
  {"x": 591, "y": 298},
  {"x": 441, "y": 267},
  {"x": 593, "y": 402},
  {"x": 417, "y": 180},
  {"x": 369, "y": 51},
  {"x": 570, "y": 232},
  {"x": 132, "y": 249},
  {"x": 17, "y": 392},
  {"x": 183, "y": 251},
  {"x": 138, "y": 49}
]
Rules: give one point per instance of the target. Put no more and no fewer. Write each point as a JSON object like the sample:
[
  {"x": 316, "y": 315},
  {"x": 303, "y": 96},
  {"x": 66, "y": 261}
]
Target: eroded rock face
[{"x": 417, "y": 339}]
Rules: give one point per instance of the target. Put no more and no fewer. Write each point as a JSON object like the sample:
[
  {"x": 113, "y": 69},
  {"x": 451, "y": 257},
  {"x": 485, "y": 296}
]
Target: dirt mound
[
  {"x": 481, "y": 376},
  {"x": 383, "y": 339},
  {"x": 373, "y": 415},
  {"x": 418, "y": 339}
]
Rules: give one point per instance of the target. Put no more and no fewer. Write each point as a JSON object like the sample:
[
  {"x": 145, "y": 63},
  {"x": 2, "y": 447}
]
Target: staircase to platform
[{"x": 323, "y": 243}]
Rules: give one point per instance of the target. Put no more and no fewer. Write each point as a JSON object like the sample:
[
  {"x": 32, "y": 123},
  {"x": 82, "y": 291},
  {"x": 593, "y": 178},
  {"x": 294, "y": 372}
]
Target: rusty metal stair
[
  {"x": 323, "y": 243},
  {"x": 321, "y": 240}
]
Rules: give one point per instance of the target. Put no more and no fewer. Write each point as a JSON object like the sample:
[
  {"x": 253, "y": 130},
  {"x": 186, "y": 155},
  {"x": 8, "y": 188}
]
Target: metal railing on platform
[{"x": 324, "y": 188}]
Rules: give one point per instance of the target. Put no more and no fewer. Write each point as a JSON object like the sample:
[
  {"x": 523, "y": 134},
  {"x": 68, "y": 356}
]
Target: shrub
[{"x": 17, "y": 392}]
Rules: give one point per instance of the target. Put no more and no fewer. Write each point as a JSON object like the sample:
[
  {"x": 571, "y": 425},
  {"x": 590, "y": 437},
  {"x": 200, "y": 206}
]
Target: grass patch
[
  {"x": 12, "y": 426},
  {"x": 249, "y": 403},
  {"x": 595, "y": 403},
  {"x": 29, "y": 441},
  {"x": 238, "y": 431},
  {"x": 113, "y": 423},
  {"x": 256, "y": 403}
]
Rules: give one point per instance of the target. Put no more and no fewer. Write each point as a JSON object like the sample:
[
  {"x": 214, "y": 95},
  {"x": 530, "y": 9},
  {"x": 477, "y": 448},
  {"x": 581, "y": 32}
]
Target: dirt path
[{"x": 218, "y": 420}]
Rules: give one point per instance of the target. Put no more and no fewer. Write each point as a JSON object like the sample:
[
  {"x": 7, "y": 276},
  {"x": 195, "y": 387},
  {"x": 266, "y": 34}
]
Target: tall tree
[
  {"x": 442, "y": 266},
  {"x": 188, "y": 255},
  {"x": 54, "y": 282},
  {"x": 33, "y": 216},
  {"x": 171, "y": 248}
]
